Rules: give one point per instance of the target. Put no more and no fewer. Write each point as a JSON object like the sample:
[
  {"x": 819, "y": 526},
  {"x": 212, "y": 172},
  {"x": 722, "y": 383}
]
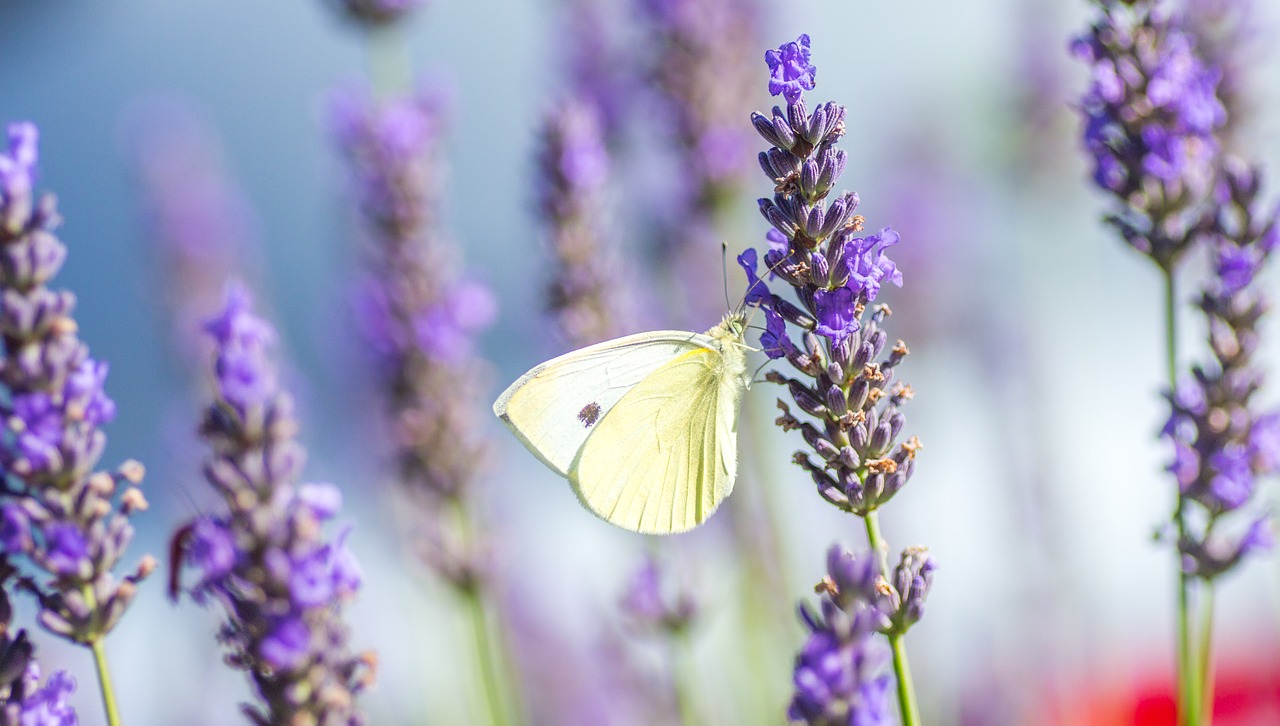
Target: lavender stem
[
  {"x": 1205, "y": 674},
  {"x": 1188, "y": 689},
  {"x": 104, "y": 680},
  {"x": 907, "y": 706},
  {"x": 494, "y": 702}
]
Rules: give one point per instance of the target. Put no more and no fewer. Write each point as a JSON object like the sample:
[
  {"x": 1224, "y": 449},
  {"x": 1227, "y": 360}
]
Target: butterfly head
[{"x": 733, "y": 328}]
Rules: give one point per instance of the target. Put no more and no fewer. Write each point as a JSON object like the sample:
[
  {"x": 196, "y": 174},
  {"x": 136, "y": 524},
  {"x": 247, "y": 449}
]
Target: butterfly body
[{"x": 644, "y": 427}]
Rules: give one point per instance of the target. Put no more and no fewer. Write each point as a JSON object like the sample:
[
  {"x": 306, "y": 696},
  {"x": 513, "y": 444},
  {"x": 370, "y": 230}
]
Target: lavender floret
[
  {"x": 265, "y": 558},
  {"x": 58, "y": 512}
]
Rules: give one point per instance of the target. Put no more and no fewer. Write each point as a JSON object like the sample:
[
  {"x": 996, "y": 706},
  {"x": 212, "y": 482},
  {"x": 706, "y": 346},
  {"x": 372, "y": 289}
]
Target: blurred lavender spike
[
  {"x": 200, "y": 223},
  {"x": 377, "y": 13},
  {"x": 700, "y": 59},
  {"x": 1223, "y": 441},
  {"x": 58, "y": 513},
  {"x": 587, "y": 295},
  {"x": 419, "y": 315},
  {"x": 23, "y": 701},
  {"x": 1150, "y": 117},
  {"x": 265, "y": 558}
]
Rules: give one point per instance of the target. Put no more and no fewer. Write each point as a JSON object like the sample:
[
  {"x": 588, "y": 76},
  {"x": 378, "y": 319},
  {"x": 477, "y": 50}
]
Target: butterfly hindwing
[
  {"x": 664, "y": 457},
  {"x": 556, "y": 407}
]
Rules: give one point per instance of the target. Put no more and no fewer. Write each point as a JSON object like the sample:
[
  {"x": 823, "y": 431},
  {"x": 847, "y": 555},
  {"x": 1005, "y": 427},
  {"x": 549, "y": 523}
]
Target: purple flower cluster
[
  {"x": 419, "y": 313},
  {"x": 586, "y": 294},
  {"x": 57, "y": 511},
  {"x": 23, "y": 701},
  {"x": 845, "y": 390},
  {"x": 701, "y": 71},
  {"x": 835, "y": 676},
  {"x": 835, "y": 673},
  {"x": 200, "y": 223},
  {"x": 266, "y": 558},
  {"x": 653, "y": 602},
  {"x": 1222, "y": 443},
  {"x": 835, "y": 270},
  {"x": 1150, "y": 116}
]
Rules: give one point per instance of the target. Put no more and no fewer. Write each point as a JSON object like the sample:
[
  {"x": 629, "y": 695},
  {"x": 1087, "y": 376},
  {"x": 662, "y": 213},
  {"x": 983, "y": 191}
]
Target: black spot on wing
[{"x": 589, "y": 414}]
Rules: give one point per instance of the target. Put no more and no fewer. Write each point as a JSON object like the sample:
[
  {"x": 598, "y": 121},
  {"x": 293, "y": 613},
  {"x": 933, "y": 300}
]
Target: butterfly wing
[
  {"x": 555, "y": 407},
  {"x": 665, "y": 456}
]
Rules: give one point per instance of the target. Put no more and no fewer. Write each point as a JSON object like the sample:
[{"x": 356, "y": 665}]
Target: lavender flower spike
[
  {"x": 848, "y": 402},
  {"x": 265, "y": 558},
  {"x": 58, "y": 512},
  {"x": 1150, "y": 117},
  {"x": 1222, "y": 442},
  {"x": 23, "y": 701},
  {"x": 586, "y": 296},
  {"x": 836, "y": 681}
]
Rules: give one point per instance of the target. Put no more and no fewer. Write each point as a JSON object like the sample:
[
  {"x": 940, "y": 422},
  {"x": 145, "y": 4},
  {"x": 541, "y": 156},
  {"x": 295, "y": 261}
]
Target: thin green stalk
[
  {"x": 104, "y": 672},
  {"x": 1206, "y": 653},
  {"x": 389, "y": 68},
  {"x": 680, "y": 654},
  {"x": 495, "y": 703},
  {"x": 907, "y": 705},
  {"x": 1189, "y": 705}
]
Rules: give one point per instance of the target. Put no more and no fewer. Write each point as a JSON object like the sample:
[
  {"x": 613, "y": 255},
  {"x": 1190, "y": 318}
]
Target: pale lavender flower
[
  {"x": 587, "y": 295},
  {"x": 1150, "y": 117},
  {"x": 265, "y": 557},
  {"x": 655, "y": 602},
  {"x": 200, "y": 223},
  {"x": 58, "y": 512},
  {"x": 700, "y": 59},
  {"x": 23, "y": 701},
  {"x": 1232, "y": 36},
  {"x": 1223, "y": 442},
  {"x": 419, "y": 313}
]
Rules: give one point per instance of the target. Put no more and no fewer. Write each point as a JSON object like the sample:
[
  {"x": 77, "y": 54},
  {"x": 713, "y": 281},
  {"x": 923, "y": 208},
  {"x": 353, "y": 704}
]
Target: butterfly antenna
[{"x": 724, "y": 274}]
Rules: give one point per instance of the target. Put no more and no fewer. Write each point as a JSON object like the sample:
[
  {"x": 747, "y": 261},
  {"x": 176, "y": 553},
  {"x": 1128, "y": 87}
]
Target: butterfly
[{"x": 644, "y": 427}]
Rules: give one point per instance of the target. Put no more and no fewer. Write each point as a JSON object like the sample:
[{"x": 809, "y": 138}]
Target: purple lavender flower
[
  {"x": 58, "y": 512},
  {"x": 419, "y": 313},
  {"x": 266, "y": 558},
  {"x": 653, "y": 603},
  {"x": 1222, "y": 442},
  {"x": 1150, "y": 116},
  {"x": 1230, "y": 35},
  {"x": 845, "y": 391},
  {"x": 835, "y": 675},
  {"x": 23, "y": 702},
  {"x": 818, "y": 249},
  {"x": 587, "y": 296},
  {"x": 201, "y": 225},
  {"x": 700, "y": 68}
]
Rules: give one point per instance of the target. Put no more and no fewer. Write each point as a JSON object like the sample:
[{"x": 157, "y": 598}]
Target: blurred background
[{"x": 1035, "y": 338}]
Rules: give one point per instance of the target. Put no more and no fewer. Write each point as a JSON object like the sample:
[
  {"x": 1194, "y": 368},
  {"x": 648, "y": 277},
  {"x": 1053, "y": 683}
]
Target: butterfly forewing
[
  {"x": 555, "y": 407},
  {"x": 664, "y": 457}
]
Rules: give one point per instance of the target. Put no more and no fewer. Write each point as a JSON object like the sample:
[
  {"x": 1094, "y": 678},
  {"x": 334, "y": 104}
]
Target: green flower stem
[
  {"x": 104, "y": 672},
  {"x": 906, "y": 688},
  {"x": 1189, "y": 707},
  {"x": 389, "y": 68},
  {"x": 682, "y": 685},
  {"x": 486, "y": 663},
  {"x": 1206, "y": 654}
]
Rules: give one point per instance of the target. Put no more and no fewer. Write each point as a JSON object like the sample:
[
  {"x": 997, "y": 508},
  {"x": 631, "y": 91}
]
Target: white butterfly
[{"x": 644, "y": 427}]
